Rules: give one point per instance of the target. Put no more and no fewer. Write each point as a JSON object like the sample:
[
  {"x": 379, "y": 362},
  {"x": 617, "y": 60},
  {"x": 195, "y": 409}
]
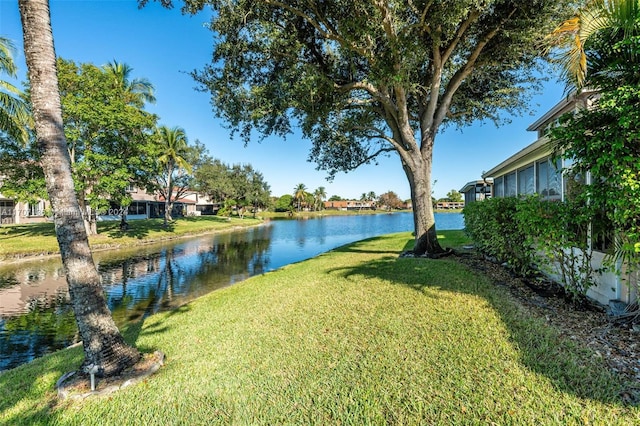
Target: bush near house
[
  {"x": 494, "y": 228},
  {"x": 530, "y": 235}
]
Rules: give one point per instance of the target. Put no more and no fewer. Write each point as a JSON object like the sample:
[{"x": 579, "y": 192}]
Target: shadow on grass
[
  {"x": 570, "y": 366},
  {"x": 27, "y": 230},
  {"x": 22, "y": 388},
  {"x": 29, "y": 390},
  {"x": 136, "y": 228}
]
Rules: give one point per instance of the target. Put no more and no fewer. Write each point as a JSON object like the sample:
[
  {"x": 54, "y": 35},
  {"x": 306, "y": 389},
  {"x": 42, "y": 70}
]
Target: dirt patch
[
  {"x": 586, "y": 323},
  {"x": 77, "y": 385}
]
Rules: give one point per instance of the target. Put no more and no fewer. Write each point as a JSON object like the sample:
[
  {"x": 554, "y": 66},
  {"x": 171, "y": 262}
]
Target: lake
[{"x": 36, "y": 317}]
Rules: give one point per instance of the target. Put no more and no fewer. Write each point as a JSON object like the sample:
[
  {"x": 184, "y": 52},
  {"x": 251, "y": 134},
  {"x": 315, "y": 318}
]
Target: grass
[
  {"x": 354, "y": 336},
  {"x": 39, "y": 238}
]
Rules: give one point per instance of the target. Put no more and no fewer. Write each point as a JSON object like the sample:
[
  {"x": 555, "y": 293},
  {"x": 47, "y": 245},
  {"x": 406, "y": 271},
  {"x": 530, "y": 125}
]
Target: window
[
  {"x": 548, "y": 179},
  {"x": 525, "y": 181},
  {"x": 498, "y": 187},
  {"x": 510, "y": 188},
  {"x": 137, "y": 208},
  {"x": 6, "y": 212},
  {"x": 35, "y": 209},
  {"x": 131, "y": 188}
]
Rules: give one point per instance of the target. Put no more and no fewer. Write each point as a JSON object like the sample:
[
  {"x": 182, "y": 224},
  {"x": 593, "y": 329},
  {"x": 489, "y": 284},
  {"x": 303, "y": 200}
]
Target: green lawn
[
  {"x": 354, "y": 336},
  {"x": 39, "y": 238}
]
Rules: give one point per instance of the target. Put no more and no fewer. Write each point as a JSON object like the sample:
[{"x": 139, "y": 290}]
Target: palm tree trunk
[
  {"x": 103, "y": 344},
  {"x": 168, "y": 205}
]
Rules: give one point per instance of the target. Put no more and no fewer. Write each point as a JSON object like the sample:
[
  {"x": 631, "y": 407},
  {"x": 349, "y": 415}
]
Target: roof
[
  {"x": 474, "y": 183},
  {"x": 565, "y": 105},
  {"x": 532, "y": 150}
]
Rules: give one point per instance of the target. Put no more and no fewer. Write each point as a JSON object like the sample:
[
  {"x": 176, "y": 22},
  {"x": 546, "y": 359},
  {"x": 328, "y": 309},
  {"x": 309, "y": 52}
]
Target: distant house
[
  {"x": 350, "y": 205},
  {"x": 16, "y": 212},
  {"x": 145, "y": 205},
  {"x": 532, "y": 170},
  {"x": 477, "y": 190},
  {"x": 449, "y": 205}
]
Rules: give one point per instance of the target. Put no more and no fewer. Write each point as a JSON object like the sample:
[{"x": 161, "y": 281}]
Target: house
[
  {"x": 145, "y": 205},
  {"x": 449, "y": 205},
  {"x": 350, "y": 205},
  {"x": 477, "y": 190},
  {"x": 17, "y": 212},
  {"x": 532, "y": 170}
]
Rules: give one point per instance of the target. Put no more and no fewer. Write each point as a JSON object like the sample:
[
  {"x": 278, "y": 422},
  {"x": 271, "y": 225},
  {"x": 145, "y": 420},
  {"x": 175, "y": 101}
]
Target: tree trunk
[
  {"x": 103, "y": 344},
  {"x": 89, "y": 220},
  {"x": 419, "y": 176},
  {"x": 168, "y": 205}
]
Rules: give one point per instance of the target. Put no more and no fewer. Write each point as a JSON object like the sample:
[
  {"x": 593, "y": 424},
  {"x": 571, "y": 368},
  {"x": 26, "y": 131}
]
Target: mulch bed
[
  {"x": 587, "y": 323},
  {"x": 76, "y": 385}
]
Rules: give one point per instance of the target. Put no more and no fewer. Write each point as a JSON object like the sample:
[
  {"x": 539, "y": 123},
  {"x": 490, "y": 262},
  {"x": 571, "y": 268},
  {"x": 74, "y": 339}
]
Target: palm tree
[
  {"x": 600, "y": 21},
  {"x": 104, "y": 347},
  {"x": 372, "y": 197},
  {"x": 319, "y": 195},
  {"x": 363, "y": 199},
  {"x": 139, "y": 89},
  {"x": 172, "y": 160},
  {"x": 14, "y": 113},
  {"x": 299, "y": 194}
]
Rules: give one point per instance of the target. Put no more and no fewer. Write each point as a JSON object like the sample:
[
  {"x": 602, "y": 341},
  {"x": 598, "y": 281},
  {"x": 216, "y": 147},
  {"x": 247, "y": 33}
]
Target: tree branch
[
  {"x": 329, "y": 33},
  {"x": 465, "y": 71}
]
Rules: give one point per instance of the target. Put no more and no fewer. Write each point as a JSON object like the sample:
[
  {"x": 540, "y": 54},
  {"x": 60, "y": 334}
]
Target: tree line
[{"x": 115, "y": 145}]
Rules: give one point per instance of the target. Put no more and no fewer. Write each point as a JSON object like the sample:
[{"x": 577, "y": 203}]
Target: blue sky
[{"x": 163, "y": 45}]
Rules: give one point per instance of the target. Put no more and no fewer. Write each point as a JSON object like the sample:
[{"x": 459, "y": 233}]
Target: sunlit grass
[
  {"x": 39, "y": 238},
  {"x": 354, "y": 336}
]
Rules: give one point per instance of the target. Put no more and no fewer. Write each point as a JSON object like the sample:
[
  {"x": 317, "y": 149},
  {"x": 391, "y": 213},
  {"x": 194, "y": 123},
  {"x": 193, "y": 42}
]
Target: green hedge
[
  {"x": 531, "y": 234},
  {"x": 493, "y": 226}
]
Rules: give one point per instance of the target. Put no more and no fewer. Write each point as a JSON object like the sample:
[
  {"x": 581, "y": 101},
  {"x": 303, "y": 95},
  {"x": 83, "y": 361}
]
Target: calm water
[{"x": 36, "y": 317}]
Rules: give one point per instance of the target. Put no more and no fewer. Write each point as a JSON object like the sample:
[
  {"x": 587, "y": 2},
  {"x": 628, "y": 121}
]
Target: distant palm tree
[
  {"x": 612, "y": 19},
  {"x": 319, "y": 195},
  {"x": 363, "y": 199},
  {"x": 172, "y": 159},
  {"x": 299, "y": 194},
  {"x": 14, "y": 113},
  {"x": 140, "y": 89}
]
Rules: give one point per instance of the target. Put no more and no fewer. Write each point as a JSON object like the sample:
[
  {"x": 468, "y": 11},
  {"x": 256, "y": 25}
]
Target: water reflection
[{"x": 36, "y": 316}]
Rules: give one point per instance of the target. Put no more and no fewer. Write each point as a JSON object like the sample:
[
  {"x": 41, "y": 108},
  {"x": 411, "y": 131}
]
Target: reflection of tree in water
[
  {"x": 301, "y": 237},
  {"x": 137, "y": 287},
  {"x": 49, "y": 325},
  {"x": 8, "y": 280}
]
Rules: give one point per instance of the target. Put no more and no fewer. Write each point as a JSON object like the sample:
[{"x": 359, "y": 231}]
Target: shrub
[
  {"x": 558, "y": 231},
  {"x": 493, "y": 226}
]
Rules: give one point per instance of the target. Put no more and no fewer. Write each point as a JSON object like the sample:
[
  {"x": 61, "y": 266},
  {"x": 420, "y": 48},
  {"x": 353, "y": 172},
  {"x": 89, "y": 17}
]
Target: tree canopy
[{"x": 369, "y": 78}]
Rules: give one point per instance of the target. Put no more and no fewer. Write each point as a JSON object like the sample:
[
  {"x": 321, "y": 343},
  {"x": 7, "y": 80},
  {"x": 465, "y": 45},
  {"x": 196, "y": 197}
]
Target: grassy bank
[
  {"x": 39, "y": 238},
  {"x": 354, "y": 336}
]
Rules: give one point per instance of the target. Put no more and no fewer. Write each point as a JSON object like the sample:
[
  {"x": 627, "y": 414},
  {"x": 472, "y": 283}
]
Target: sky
[{"x": 163, "y": 46}]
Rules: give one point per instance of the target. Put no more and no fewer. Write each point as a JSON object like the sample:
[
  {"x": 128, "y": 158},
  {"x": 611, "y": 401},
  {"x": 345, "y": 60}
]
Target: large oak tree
[
  {"x": 367, "y": 78},
  {"x": 103, "y": 344}
]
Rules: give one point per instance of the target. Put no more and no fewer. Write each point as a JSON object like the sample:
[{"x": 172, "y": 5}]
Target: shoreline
[
  {"x": 28, "y": 257},
  {"x": 22, "y": 257}
]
